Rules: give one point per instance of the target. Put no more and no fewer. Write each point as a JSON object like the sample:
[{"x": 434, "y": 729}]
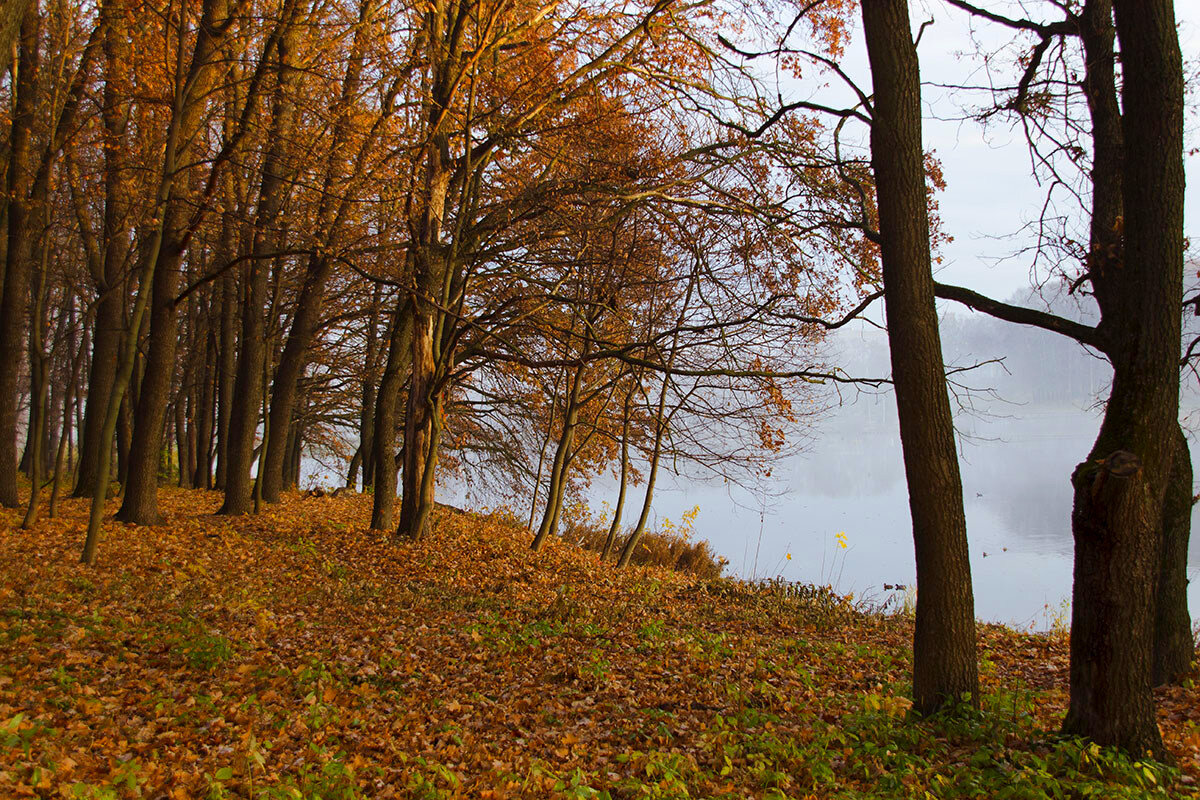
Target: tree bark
[
  {"x": 615, "y": 528},
  {"x": 140, "y": 505},
  {"x": 1174, "y": 647},
  {"x": 944, "y": 665}
]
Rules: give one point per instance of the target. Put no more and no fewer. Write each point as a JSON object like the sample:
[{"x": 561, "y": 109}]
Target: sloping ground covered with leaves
[{"x": 298, "y": 655}]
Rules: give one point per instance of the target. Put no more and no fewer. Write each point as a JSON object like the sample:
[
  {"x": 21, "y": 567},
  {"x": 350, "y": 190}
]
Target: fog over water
[{"x": 1017, "y": 448}]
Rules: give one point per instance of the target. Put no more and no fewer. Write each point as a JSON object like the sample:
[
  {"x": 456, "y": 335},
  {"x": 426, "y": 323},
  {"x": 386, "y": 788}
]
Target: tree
[
  {"x": 944, "y": 665},
  {"x": 1097, "y": 152},
  {"x": 1125, "y": 640},
  {"x": 1119, "y": 490}
]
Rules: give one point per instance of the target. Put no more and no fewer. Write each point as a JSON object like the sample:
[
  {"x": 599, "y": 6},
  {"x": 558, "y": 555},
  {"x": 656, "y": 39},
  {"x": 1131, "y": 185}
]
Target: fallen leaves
[{"x": 306, "y": 655}]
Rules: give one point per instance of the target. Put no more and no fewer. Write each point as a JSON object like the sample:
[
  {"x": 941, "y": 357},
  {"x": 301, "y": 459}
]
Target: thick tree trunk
[
  {"x": 383, "y": 498},
  {"x": 14, "y": 303},
  {"x": 140, "y": 505},
  {"x": 1119, "y": 492},
  {"x": 110, "y": 305},
  {"x": 289, "y": 372},
  {"x": 944, "y": 666},
  {"x": 247, "y": 393},
  {"x": 11, "y": 15},
  {"x": 418, "y": 423}
]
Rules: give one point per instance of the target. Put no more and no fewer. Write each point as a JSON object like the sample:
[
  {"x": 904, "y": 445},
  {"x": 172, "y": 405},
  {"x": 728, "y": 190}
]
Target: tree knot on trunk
[{"x": 1121, "y": 465}]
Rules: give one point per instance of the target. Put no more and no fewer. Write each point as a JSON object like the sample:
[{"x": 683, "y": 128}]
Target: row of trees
[
  {"x": 529, "y": 242},
  {"x": 312, "y": 223}
]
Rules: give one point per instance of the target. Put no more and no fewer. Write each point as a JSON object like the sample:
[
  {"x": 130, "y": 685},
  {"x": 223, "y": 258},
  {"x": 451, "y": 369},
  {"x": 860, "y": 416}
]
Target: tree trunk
[
  {"x": 110, "y": 304},
  {"x": 15, "y": 299},
  {"x": 1120, "y": 490},
  {"x": 252, "y": 356},
  {"x": 383, "y": 498},
  {"x": 558, "y": 470},
  {"x": 205, "y": 412},
  {"x": 39, "y": 377},
  {"x": 289, "y": 372},
  {"x": 226, "y": 375},
  {"x": 366, "y": 422},
  {"x": 140, "y": 504},
  {"x": 1174, "y": 647},
  {"x": 660, "y": 430},
  {"x": 418, "y": 422},
  {"x": 615, "y": 528},
  {"x": 944, "y": 666}
]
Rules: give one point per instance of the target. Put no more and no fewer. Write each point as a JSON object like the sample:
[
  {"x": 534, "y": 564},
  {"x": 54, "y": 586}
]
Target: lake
[{"x": 850, "y": 479}]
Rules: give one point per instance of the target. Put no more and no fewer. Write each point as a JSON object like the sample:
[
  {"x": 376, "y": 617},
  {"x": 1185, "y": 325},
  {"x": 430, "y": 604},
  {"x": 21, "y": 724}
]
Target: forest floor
[{"x": 296, "y": 654}]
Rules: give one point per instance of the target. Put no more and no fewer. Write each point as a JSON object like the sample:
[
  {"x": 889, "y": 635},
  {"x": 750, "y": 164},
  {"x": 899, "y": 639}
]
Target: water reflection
[{"x": 1016, "y": 491}]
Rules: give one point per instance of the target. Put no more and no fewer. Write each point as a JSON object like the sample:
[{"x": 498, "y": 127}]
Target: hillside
[{"x": 298, "y": 655}]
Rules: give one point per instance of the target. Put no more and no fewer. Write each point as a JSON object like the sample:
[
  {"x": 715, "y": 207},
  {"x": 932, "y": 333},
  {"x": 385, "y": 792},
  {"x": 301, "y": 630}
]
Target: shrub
[{"x": 671, "y": 546}]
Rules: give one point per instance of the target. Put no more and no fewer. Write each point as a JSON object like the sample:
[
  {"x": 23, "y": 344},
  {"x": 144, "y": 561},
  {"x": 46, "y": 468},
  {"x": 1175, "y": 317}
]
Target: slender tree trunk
[
  {"x": 226, "y": 376},
  {"x": 39, "y": 378},
  {"x": 615, "y": 528},
  {"x": 537, "y": 476},
  {"x": 558, "y": 470},
  {"x": 660, "y": 429},
  {"x": 944, "y": 666},
  {"x": 205, "y": 418},
  {"x": 366, "y": 424},
  {"x": 62, "y": 458},
  {"x": 181, "y": 436}
]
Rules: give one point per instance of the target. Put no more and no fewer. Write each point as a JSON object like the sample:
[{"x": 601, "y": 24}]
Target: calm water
[{"x": 851, "y": 479}]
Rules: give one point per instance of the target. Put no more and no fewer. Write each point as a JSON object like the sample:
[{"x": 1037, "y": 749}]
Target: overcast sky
[{"x": 990, "y": 192}]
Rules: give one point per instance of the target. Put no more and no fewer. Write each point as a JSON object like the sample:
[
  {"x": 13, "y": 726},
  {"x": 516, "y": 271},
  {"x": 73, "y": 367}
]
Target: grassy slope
[{"x": 296, "y": 654}]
